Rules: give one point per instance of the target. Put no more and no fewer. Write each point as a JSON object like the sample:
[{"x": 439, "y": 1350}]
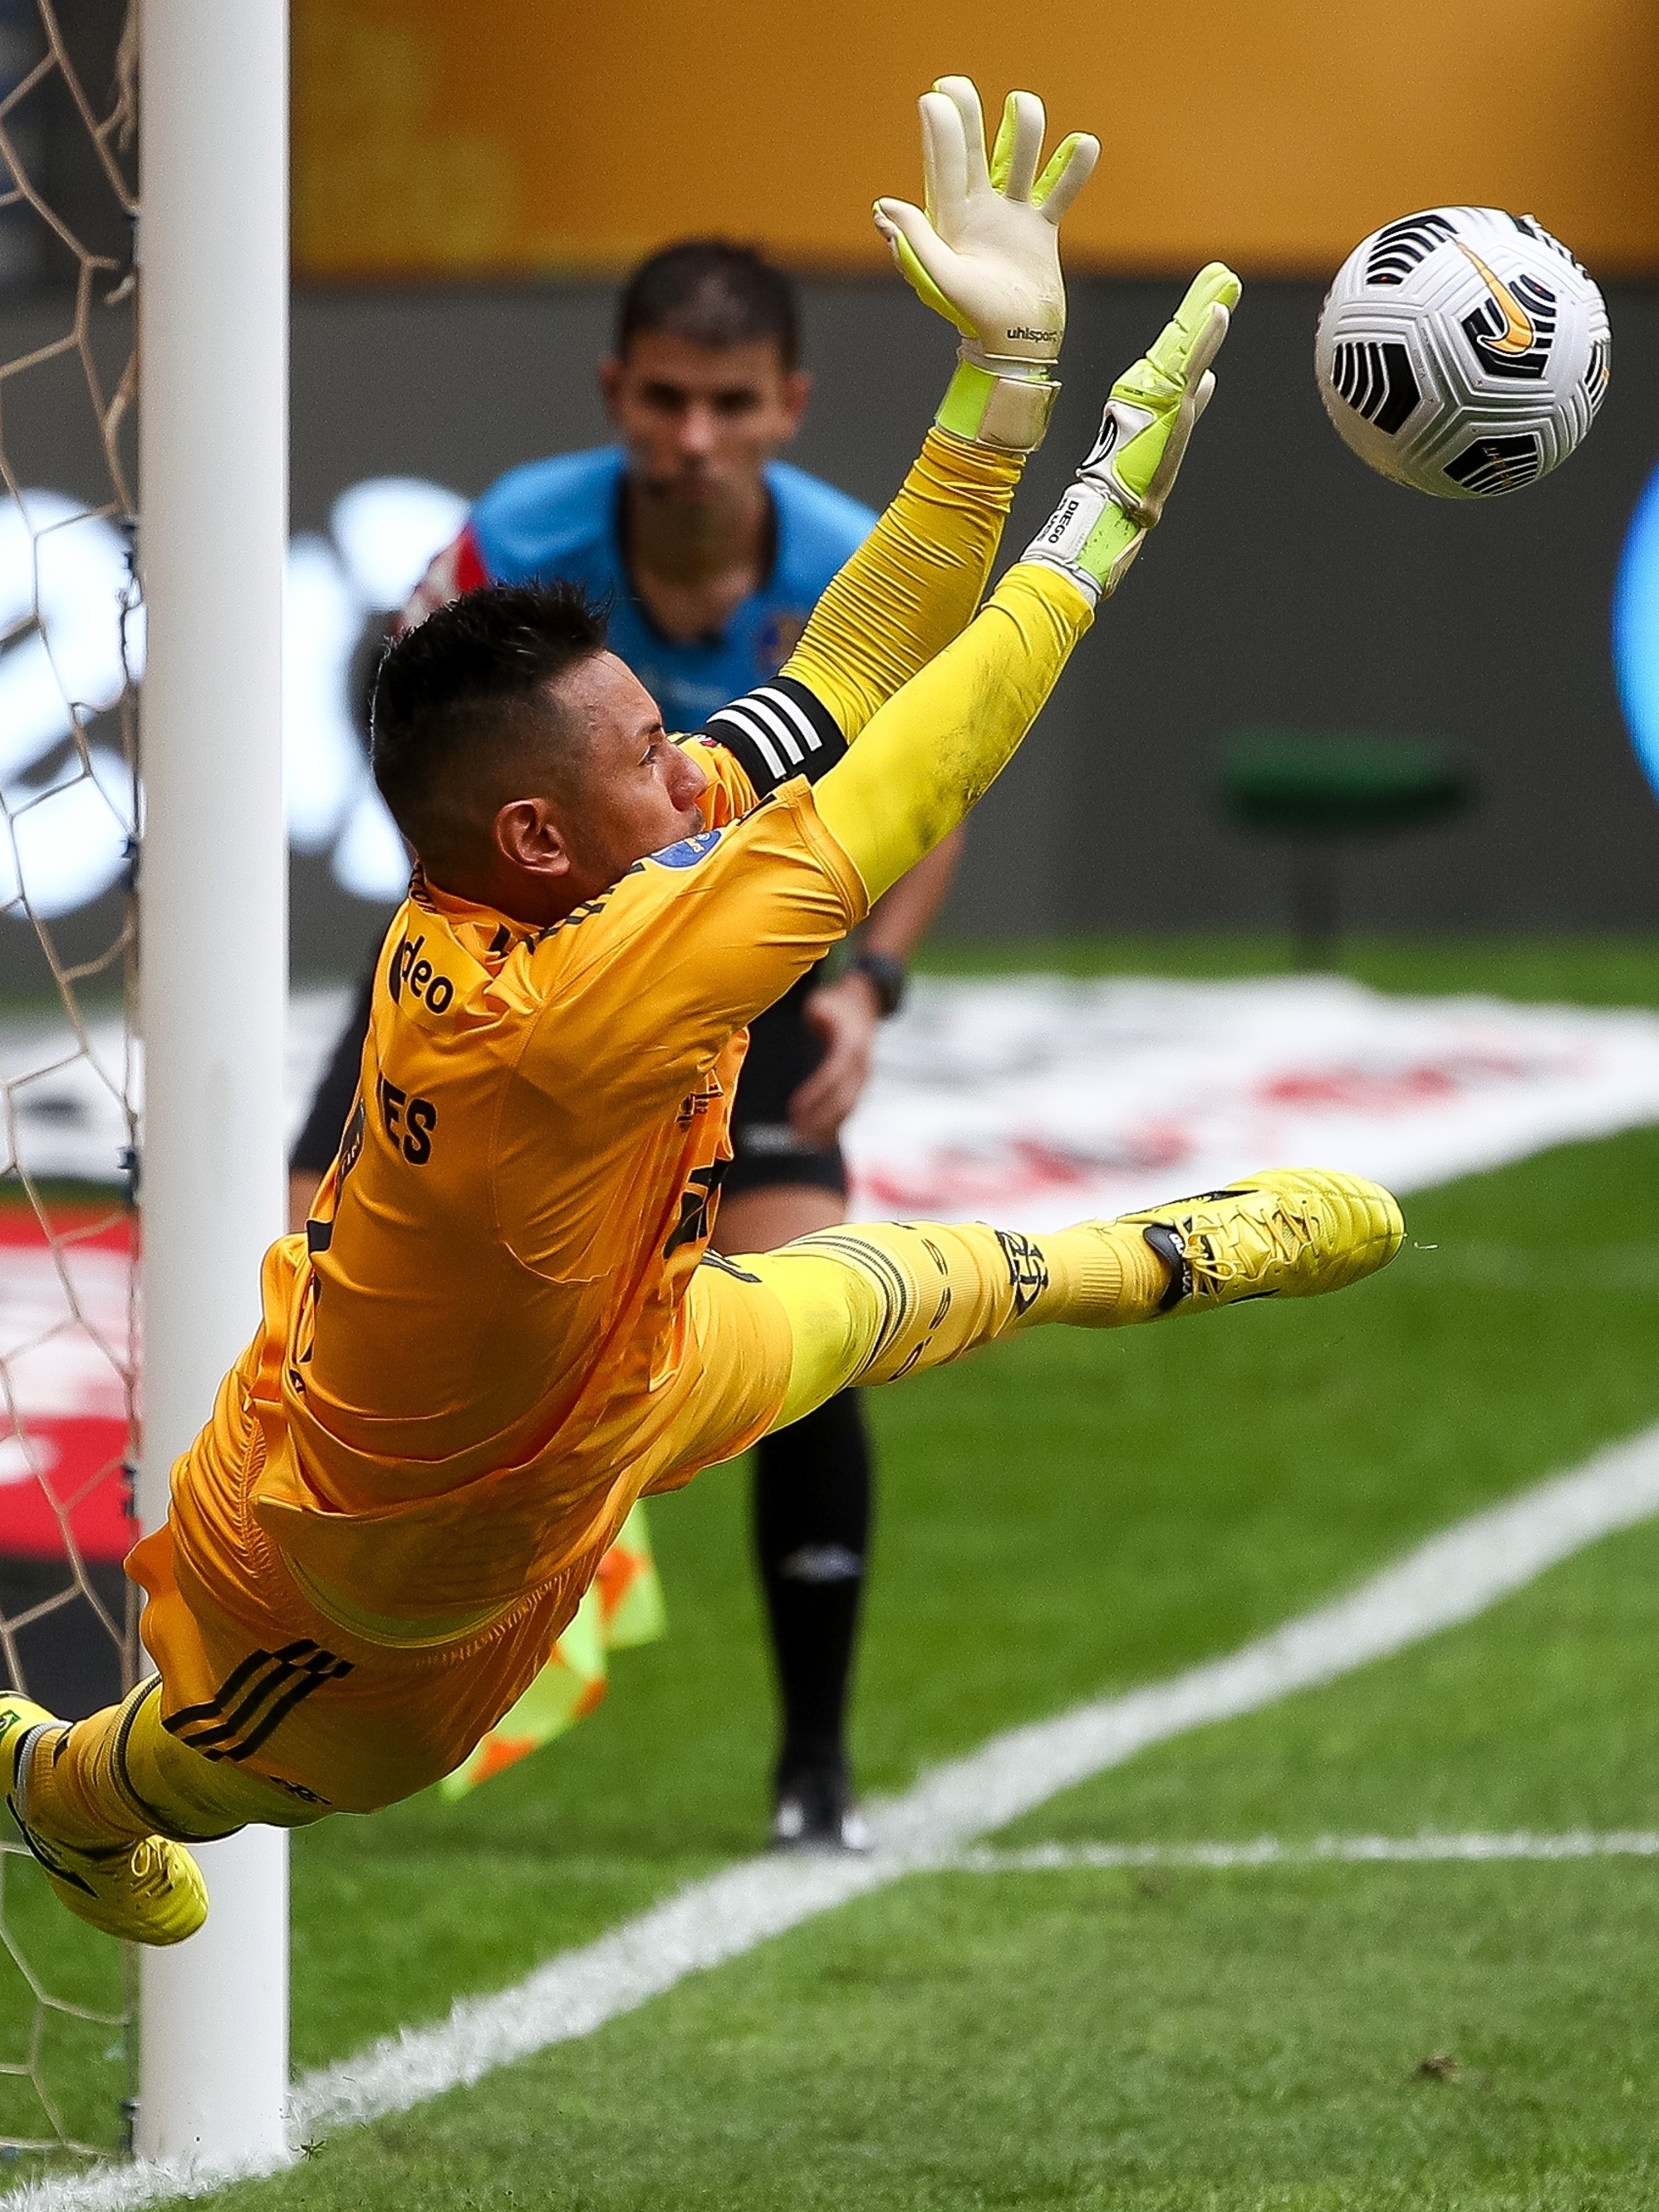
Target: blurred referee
[{"x": 712, "y": 552}]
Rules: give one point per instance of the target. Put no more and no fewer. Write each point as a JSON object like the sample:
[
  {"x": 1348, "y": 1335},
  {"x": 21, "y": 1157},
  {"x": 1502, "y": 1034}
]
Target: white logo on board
[{"x": 70, "y": 634}]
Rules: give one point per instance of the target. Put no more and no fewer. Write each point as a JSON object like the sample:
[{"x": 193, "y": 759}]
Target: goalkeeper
[{"x": 504, "y": 1324}]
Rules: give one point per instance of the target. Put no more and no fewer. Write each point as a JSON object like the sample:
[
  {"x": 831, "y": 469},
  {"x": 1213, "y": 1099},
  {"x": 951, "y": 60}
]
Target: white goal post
[{"x": 213, "y": 468}]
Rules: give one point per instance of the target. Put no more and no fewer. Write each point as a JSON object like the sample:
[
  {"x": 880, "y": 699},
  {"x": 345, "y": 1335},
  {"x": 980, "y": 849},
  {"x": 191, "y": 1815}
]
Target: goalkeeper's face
[
  {"x": 701, "y": 423},
  {"x": 632, "y": 791}
]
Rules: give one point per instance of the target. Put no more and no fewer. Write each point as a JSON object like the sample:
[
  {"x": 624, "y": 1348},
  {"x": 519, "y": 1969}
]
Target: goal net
[{"x": 71, "y": 648}]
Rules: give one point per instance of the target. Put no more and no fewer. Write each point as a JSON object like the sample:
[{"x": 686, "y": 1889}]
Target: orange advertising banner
[{"x": 534, "y": 137}]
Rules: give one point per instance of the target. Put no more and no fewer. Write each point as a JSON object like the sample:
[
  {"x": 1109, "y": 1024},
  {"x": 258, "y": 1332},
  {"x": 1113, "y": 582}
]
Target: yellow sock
[
  {"x": 1101, "y": 1274},
  {"x": 120, "y": 1776},
  {"x": 876, "y": 1301},
  {"x": 69, "y": 1792}
]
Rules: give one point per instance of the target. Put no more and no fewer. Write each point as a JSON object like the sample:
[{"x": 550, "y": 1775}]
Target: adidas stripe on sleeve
[{"x": 778, "y": 730}]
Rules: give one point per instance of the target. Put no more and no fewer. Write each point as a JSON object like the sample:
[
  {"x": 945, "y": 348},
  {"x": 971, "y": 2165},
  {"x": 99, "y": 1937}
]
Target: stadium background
[
  {"x": 467, "y": 185},
  {"x": 1066, "y": 1519}
]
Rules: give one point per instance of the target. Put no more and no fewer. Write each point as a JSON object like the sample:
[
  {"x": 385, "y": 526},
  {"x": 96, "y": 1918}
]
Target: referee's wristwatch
[{"x": 886, "y": 977}]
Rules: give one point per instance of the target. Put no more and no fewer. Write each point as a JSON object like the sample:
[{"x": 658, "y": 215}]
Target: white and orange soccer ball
[{"x": 1463, "y": 351}]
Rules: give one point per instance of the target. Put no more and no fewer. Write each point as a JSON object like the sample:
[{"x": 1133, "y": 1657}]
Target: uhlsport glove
[
  {"x": 985, "y": 255},
  {"x": 1098, "y": 527}
]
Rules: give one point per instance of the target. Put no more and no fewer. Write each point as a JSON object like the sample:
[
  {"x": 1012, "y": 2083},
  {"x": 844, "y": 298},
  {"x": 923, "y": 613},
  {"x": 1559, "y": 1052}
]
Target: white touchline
[
  {"x": 1451, "y": 1579},
  {"x": 1347, "y": 1851}
]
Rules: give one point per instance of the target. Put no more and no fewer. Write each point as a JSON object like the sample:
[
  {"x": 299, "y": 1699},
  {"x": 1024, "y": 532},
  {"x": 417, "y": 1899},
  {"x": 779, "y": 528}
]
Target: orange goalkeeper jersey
[
  {"x": 458, "y": 1388},
  {"x": 488, "y": 1326}
]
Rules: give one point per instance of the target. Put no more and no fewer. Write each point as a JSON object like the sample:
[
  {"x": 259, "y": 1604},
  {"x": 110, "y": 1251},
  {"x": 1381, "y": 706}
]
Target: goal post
[{"x": 213, "y": 473}]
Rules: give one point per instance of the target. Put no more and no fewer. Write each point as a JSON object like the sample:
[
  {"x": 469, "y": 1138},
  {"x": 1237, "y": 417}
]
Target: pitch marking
[
  {"x": 1451, "y": 1579},
  {"x": 1346, "y": 1850}
]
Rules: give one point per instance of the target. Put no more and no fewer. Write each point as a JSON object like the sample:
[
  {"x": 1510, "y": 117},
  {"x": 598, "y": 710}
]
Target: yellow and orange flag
[{"x": 623, "y": 1607}]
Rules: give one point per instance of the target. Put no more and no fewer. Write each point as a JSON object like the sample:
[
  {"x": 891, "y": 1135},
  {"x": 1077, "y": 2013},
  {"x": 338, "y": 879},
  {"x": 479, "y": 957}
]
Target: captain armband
[{"x": 778, "y": 730}]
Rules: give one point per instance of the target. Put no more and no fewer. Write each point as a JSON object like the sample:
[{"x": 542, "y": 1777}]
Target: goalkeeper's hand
[
  {"x": 1119, "y": 494},
  {"x": 985, "y": 254}
]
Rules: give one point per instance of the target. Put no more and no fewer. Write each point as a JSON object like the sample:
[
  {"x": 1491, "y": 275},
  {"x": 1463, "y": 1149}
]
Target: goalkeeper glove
[
  {"x": 1099, "y": 526},
  {"x": 985, "y": 255}
]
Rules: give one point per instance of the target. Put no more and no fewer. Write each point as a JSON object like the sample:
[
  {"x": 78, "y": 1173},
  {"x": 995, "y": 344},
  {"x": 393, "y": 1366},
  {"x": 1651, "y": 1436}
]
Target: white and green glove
[
  {"x": 985, "y": 255},
  {"x": 1098, "y": 527}
]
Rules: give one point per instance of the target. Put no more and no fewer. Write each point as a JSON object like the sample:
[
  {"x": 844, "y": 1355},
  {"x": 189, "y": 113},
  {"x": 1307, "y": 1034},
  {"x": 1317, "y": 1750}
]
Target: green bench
[{"x": 1318, "y": 793}]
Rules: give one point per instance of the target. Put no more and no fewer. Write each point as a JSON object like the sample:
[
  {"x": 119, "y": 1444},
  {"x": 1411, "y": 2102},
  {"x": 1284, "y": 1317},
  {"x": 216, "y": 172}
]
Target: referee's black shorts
[{"x": 783, "y": 1051}]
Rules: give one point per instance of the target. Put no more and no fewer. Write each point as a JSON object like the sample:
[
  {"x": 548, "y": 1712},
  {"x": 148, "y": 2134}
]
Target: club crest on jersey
[{"x": 688, "y": 852}]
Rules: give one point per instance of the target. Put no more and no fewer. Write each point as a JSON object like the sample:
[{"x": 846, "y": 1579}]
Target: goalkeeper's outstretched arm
[
  {"x": 931, "y": 753},
  {"x": 985, "y": 255}
]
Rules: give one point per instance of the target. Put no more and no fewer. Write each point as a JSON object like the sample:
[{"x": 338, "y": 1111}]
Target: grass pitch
[
  {"x": 1062, "y": 1515},
  {"x": 1195, "y": 2039}
]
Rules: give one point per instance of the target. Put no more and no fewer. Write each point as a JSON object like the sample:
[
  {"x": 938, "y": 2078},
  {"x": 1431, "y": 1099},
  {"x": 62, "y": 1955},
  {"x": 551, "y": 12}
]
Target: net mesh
[{"x": 71, "y": 654}]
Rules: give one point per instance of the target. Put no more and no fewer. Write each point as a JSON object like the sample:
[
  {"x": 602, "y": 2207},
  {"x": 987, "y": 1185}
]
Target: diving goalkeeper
[{"x": 504, "y": 1324}]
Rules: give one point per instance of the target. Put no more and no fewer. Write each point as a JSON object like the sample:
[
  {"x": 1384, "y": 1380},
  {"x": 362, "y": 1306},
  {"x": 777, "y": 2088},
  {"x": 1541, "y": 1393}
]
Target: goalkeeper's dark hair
[
  {"x": 713, "y": 292},
  {"x": 465, "y": 713}
]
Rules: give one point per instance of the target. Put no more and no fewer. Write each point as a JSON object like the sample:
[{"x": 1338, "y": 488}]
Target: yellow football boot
[
  {"x": 151, "y": 1891},
  {"x": 1290, "y": 1233}
]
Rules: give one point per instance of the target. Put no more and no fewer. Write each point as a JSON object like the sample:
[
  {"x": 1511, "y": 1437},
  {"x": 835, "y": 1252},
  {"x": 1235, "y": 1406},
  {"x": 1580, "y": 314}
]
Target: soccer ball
[{"x": 1463, "y": 351}]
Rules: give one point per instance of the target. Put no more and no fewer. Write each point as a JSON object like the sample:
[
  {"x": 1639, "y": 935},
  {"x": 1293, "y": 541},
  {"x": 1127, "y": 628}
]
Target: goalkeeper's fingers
[
  {"x": 1197, "y": 389},
  {"x": 1193, "y": 402},
  {"x": 1018, "y": 148},
  {"x": 1070, "y": 169},
  {"x": 924, "y": 261},
  {"x": 962, "y": 94},
  {"x": 1191, "y": 341},
  {"x": 946, "y": 162},
  {"x": 1184, "y": 368}
]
